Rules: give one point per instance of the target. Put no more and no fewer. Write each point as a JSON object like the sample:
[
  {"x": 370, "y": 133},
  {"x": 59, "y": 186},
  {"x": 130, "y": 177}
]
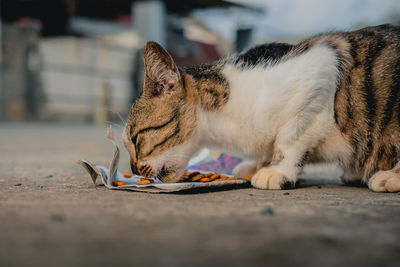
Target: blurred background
[
  {"x": 81, "y": 60},
  {"x": 70, "y": 67}
]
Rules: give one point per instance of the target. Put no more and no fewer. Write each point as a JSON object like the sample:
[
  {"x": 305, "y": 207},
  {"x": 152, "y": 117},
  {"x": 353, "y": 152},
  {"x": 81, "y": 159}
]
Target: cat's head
[{"x": 161, "y": 126}]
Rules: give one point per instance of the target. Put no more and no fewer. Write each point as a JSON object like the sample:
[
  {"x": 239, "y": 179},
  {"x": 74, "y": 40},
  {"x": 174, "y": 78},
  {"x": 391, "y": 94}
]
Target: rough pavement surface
[{"x": 52, "y": 215}]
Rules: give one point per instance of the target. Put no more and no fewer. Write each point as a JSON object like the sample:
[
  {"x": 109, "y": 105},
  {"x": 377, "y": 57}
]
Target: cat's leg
[
  {"x": 311, "y": 120},
  {"x": 295, "y": 139},
  {"x": 351, "y": 179},
  {"x": 282, "y": 172},
  {"x": 245, "y": 169},
  {"x": 386, "y": 181}
]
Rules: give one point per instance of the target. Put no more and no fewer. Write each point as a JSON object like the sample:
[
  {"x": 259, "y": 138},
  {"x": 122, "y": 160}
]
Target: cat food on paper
[
  {"x": 113, "y": 179},
  {"x": 193, "y": 177}
]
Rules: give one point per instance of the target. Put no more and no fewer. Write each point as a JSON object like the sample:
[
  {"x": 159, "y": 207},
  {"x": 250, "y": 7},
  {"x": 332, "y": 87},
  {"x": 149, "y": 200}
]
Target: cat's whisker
[
  {"x": 115, "y": 124},
  {"x": 116, "y": 113},
  {"x": 120, "y": 117}
]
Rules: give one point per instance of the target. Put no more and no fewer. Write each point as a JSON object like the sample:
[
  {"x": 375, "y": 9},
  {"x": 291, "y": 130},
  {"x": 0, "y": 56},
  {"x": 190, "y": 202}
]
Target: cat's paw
[
  {"x": 244, "y": 169},
  {"x": 385, "y": 181},
  {"x": 268, "y": 178}
]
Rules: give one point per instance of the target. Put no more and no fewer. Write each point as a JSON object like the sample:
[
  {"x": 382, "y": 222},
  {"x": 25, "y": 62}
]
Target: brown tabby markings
[
  {"x": 210, "y": 84},
  {"x": 165, "y": 115},
  {"x": 367, "y": 100}
]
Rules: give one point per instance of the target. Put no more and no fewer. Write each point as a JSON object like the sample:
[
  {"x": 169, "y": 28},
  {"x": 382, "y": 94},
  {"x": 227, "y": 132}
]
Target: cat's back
[{"x": 374, "y": 38}]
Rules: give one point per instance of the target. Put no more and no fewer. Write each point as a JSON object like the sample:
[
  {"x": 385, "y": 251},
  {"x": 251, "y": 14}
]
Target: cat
[{"x": 331, "y": 98}]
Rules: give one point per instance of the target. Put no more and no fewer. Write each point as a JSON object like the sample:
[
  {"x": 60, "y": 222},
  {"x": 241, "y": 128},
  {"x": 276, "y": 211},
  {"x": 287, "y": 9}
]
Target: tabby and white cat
[{"x": 331, "y": 98}]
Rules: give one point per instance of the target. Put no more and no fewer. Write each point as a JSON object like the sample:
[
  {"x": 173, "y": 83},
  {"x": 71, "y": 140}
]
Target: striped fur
[
  {"x": 332, "y": 97},
  {"x": 367, "y": 100}
]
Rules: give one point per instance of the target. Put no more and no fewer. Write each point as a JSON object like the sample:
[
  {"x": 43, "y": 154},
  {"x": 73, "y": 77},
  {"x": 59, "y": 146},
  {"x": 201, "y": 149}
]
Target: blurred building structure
[
  {"x": 21, "y": 90},
  {"x": 82, "y": 60}
]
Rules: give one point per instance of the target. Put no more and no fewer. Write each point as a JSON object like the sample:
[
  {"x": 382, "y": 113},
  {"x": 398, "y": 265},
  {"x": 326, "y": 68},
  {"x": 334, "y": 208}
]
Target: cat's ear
[{"x": 160, "y": 68}]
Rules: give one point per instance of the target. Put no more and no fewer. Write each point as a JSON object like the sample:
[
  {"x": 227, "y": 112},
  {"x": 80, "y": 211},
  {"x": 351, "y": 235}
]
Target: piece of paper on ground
[{"x": 223, "y": 165}]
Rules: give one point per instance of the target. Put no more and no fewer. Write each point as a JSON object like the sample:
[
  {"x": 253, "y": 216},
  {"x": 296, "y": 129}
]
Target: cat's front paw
[
  {"x": 385, "y": 181},
  {"x": 268, "y": 178}
]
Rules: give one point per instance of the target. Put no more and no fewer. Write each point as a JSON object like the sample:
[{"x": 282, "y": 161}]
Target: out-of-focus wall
[
  {"x": 84, "y": 78},
  {"x": 70, "y": 78}
]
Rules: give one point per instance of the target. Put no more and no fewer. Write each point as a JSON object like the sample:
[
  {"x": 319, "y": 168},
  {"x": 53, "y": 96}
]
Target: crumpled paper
[{"x": 110, "y": 174}]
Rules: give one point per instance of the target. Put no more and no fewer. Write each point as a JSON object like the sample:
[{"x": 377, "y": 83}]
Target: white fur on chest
[{"x": 264, "y": 99}]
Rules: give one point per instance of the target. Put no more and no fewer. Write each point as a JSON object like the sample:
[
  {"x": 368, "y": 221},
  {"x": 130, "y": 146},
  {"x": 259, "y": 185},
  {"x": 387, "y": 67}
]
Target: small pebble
[
  {"x": 49, "y": 176},
  {"x": 17, "y": 184},
  {"x": 268, "y": 211},
  {"x": 251, "y": 195},
  {"x": 319, "y": 187},
  {"x": 286, "y": 193}
]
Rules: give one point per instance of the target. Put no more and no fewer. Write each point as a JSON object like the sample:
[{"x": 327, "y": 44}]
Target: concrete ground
[{"x": 52, "y": 215}]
